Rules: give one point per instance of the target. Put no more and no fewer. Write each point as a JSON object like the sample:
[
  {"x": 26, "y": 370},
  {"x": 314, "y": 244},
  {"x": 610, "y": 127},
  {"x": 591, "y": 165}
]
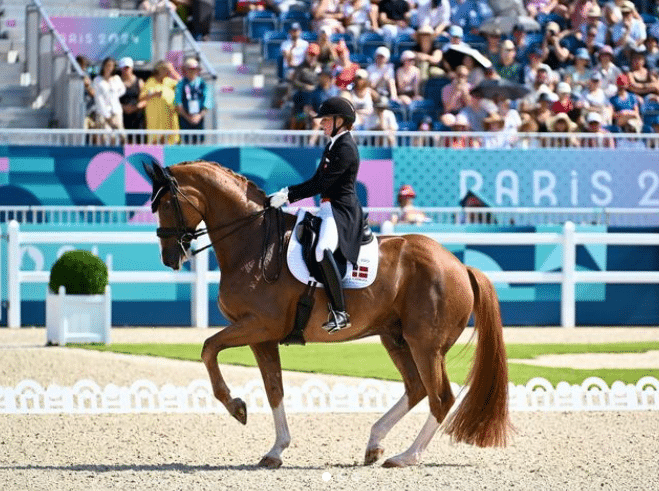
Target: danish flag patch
[{"x": 360, "y": 272}]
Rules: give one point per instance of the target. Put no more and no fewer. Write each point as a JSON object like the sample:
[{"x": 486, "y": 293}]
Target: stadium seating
[
  {"x": 419, "y": 109},
  {"x": 368, "y": 42},
  {"x": 399, "y": 111},
  {"x": 310, "y": 36},
  {"x": 402, "y": 42},
  {"x": 347, "y": 37},
  {"x": 258, "y": 22},
  {"x": 361, "y": 59},
  {"x": 286, "y": 19},
  {"x": 433, "y": 91},
  {"x": 272, "y": 41}
]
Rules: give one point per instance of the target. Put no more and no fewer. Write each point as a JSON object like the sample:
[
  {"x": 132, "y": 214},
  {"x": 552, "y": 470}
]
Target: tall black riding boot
[{"x": 338, "y": 317}]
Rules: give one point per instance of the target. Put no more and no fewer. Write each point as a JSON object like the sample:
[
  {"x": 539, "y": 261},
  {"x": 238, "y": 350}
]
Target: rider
[{"x": 340, "y": 210}]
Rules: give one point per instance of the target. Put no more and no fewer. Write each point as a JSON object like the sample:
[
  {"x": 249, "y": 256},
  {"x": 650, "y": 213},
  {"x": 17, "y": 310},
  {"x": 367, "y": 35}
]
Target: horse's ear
[{"x": 155, "y": 172}]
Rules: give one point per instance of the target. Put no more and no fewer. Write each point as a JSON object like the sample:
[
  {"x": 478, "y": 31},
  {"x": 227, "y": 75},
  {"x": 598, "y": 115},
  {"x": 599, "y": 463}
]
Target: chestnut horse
[{"x": 419, "y": 304}]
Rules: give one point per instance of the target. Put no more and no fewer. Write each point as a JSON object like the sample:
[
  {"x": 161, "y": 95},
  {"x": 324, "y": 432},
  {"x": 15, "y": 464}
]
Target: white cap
[
  {"x": 563, "y": 88},
  {"x": 126, "y": 62},
  {"x": 594, "y": 117},
  {"x": 407, "y": 55},
  {"x": 384, "y": 51}
]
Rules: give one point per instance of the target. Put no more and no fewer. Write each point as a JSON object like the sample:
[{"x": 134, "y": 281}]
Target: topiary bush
[{"x": 81, "y": 273}]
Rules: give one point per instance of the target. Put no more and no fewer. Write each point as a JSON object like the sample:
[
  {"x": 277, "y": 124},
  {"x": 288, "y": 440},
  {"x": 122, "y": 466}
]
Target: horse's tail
[{"x": 482, "y": 417}]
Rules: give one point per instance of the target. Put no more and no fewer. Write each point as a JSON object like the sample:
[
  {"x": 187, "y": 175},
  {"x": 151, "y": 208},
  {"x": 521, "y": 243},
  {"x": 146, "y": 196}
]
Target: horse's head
[{"x": 178, "y": 214}]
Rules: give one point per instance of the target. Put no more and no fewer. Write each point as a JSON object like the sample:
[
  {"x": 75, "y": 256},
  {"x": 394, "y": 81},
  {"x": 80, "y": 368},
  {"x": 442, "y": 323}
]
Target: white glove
[{"x": 278, "y": 199}]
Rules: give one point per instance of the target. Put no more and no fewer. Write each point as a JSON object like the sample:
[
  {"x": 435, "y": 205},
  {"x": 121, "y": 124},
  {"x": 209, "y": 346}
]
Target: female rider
[{"x": 340, "y": 210}]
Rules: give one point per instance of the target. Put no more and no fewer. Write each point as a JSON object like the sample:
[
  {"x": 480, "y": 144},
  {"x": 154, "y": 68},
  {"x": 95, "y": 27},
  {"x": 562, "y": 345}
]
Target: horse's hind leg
[
  {"x": 430, "y": 363},
  {"x": 414, "y": 393}
]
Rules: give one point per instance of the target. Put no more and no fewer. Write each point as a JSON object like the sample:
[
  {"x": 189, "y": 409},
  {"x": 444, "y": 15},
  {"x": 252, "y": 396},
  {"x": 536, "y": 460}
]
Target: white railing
[
  {"x": 312, "y": 396},
  {"x": 495, "y": 216},
  {"x": 201, "y": 276},
  {"x": 305, "y": 138}
]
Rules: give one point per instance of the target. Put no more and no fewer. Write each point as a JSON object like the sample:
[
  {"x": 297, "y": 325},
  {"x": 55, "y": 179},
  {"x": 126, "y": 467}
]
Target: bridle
[{"x": 185, "y": 235}]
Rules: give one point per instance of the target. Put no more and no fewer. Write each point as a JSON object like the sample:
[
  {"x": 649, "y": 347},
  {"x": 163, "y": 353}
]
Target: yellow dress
[{"x": 160, "y": 111}]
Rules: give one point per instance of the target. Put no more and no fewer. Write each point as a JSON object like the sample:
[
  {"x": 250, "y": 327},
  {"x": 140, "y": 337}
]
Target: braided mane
[{"x": 252, "y": 189}]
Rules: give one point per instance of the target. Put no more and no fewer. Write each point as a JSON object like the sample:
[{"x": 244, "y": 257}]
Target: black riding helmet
[{"x": 338, "y": 107}]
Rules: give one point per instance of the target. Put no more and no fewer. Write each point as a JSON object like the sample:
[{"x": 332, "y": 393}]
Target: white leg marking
[
  {"x": 283, "y": 437},
  {"x": 412, "y": 455},
  {"x": 384, "y": 425}
]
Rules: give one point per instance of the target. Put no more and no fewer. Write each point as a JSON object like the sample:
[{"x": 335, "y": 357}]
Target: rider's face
[{"x": 328, "y": 124}]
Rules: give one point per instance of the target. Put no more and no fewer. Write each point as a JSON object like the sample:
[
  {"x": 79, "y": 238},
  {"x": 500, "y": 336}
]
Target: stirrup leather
[{"x": 336, "y": 320}]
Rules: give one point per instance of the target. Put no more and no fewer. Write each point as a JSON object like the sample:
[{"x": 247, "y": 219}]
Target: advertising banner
[{"x": 101, "y": 37}]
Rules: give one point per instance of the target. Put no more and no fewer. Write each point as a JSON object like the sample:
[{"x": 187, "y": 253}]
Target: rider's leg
[{"x": 328, "y": 242}]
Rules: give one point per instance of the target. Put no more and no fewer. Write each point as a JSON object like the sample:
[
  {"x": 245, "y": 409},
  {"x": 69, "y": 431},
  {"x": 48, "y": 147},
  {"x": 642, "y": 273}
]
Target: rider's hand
[{"x": 278, "y": 199}]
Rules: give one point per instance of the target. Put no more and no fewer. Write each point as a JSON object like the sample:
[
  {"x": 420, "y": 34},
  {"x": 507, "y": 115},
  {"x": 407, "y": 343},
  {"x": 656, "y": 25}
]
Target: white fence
[
  {"x": 200, "y": 277},
  {"x": 313, "y": 396}
]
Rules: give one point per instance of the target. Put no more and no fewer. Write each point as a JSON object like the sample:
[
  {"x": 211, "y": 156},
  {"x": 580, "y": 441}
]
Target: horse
[{"x": 419, "y": 304}]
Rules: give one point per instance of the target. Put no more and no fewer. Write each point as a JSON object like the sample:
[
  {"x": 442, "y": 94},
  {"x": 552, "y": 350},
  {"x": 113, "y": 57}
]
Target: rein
[{"x": 185, "y": 235}]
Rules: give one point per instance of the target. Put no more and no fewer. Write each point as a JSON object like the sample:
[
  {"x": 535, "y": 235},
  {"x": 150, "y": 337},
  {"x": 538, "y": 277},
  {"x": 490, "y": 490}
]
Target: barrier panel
[{"x": 200, "y": 277}]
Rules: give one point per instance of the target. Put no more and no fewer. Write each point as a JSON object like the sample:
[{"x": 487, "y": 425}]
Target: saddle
[{"x": 307, "y": 233}]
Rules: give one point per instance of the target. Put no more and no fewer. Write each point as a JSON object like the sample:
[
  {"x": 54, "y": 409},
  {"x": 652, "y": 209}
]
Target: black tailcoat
[{"x": 336, "y": 179}]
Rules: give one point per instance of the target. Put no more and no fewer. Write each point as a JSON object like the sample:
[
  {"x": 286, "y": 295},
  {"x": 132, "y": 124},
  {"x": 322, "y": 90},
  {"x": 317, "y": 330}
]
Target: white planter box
[{"x": 78, "y": 318}]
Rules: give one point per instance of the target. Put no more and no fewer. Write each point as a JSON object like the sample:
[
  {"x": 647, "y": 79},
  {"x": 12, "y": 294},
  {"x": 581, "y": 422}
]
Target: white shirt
[
  {"x": 297, "y": 53},
  {"x": 107, "y": 94},
  {"x": 334, "y": 138},
  {"x": 433, "y": 16}
]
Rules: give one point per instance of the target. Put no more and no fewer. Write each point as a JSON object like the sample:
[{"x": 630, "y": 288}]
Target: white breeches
[{"x": 329, "y": 235}]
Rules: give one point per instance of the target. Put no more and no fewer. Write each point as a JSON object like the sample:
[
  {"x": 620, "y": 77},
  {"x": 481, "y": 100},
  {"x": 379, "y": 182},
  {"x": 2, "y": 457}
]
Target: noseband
[{"x": 185, "y": 235}]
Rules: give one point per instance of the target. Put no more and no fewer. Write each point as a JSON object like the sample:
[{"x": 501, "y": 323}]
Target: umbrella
[
  {"x": 500, "y": 87},
  {"x": 456, "y": 53},
  {"x": 505, "y": 24}
]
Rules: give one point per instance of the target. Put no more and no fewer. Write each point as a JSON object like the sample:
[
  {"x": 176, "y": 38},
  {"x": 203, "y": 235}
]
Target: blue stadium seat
[
  {"x": 534, "y": 38},
  {"x": 649, "y": 19},
  {"x": 347, "y": 37},
  {"x": 417, "y": 110},
  {"x": 292, "y": 16},
  {"x": 439, "y": 126},
  {"x": 474, "y": 40},
  {"x": 612, "y": 128},
  {"x": 402, "y": 42},
  {"x": 433, "y": 91},
  {"x": 258, "y": 22},
  {"x": 399, "y": 111},
  {"x": 406, "y": 126},
  {"x": 361, "y": 59},
  {"x": 647, "y": 129},
  {"x": 368, "y": 42},
  {"x": 271, "y": 42},
  {"x": 310, "y": 36},
  {"x": 544, "y": 19}
]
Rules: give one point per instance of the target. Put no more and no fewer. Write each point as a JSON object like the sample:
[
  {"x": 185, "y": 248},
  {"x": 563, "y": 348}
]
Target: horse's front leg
[
  {"x": 267, "y": 357},
  {"x": 240, "y": 333}
]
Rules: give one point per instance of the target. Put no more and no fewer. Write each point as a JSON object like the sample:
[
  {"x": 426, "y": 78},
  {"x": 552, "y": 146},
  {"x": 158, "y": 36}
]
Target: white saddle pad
[{"x": 357, "y": 276}]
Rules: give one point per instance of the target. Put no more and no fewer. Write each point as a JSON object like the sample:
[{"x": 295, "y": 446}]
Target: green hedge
[{"x": 81, "y": 273}]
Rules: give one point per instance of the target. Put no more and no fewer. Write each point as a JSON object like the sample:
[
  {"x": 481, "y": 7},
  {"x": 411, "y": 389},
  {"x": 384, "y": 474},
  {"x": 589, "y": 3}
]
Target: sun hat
[
  {"x": 407, "y": 55},
  {"x": 126, "y": 61},
  {"x": 563, "y": 88},
  {"x": 383, "y": 51},
  {"x": 191, "y": 63},
  {"x": 551, "y": 124}
]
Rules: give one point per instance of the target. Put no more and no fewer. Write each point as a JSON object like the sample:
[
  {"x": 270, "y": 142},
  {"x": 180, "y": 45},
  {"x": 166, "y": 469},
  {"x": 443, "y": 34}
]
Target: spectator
[
  {"x": 642, "y": 81},
  {"x": 357, "y": 16},
  {"x": 327, "y": 49},
  {"x": 612, "y": 13},
  {"x": 132, "y": 107},
  {"x": 632, "y": 127},
  {"x": 461, "y": 127},
  {"x": 408, "y": 79},
  {"x": 493, "y": 45},
  {"x": 595, "y": 98},
  {"x": 108, "y": 88},
  {"x": 434, "y": 14},
  {"x": 88, "y": 95},
  {"x": 608, "y": 70},
  {"x": 626, "y": 105},
  {"x": 506, "y": 65},
  {"x": 652, "y": 50},
  {"x": 594, "y": 25},
  {"x": 578, "y": 12},
  {"x": 301, "y": 99},
  {"x": 327, "y": 13},
  {"x": 293, "y": 49},
  {"x": 455, "y": 38},
  {"x": 630, "y": 31},
  {"x": 383, "y": 119},
  {"x": 470, "y": 14},
  {"x": 425, "y": 124},
  {"x": 529, "y": 125},
  {"x": 393, "y": 17},
  {"x": 542, "y": 111},
  {"x": 193, "y": 100},
  {"x": 591, "y": 45},
  {"x": 494, "y": 124},
  {"x": 561, "y": 123},
  {"x": 361, "y": 99},
  {"x": 531, "y": 70},
  {"x": 476, "y": 72},
  {"x": 159, "y": 94},
  {"x": 428, "y": 57},
  {"x": 477, "y": 110},
  {"x": 542, "y": 83},
  {"x": 510, "y": 116},
  {"x": 344, "y": 69},
  {"x": 599, "y": 138},
  {"x": 305, "y": 75},
  {"x": 564, "y": 104},
  {"x": 323, "y": 91},
  {"x": 535, "y": 7},
  {"x": 408, "y": 212},
  {"x": 554, "y": 53},
  {"x": 456, "y": 95},
  {"x": 381, "y": 75},
  {"x": 151, "y": 6},
  {"x": 578, "y": 75},
  {"x": 520, "y": 40}
]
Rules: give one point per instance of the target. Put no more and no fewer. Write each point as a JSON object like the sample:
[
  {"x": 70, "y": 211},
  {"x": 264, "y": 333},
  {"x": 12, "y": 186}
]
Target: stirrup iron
[{"x": 336, "y": 321}]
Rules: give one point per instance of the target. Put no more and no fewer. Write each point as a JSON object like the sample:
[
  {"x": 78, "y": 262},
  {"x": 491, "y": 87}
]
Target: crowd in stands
[
  {"x": 591, "y": 67},
  {"x": 117, "y": 99}
]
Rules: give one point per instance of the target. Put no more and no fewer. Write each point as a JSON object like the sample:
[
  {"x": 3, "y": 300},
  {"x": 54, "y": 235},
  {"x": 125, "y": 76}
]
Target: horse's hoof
[
  {"x": 373, "y": 455},
  {"x": 392, "y": 463},
  {"x": 238, "y": 410},
  {"x": 270, "y": 463}
]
